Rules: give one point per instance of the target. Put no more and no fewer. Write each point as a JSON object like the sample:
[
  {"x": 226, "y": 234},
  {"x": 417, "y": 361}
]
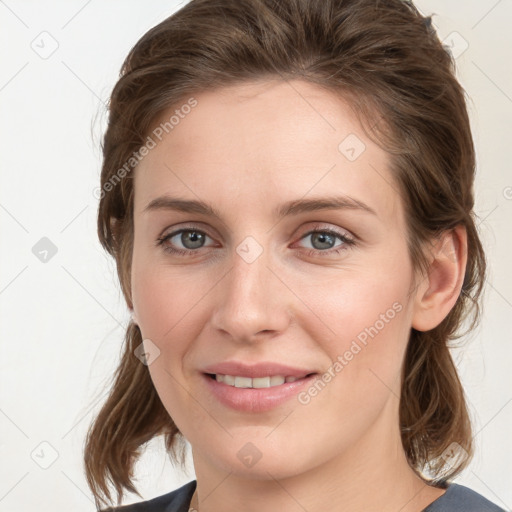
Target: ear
[{"x": 438, "y": 292}]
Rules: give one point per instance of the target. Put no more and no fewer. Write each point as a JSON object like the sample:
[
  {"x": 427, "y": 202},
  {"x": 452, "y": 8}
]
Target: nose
[{"x": 252, "y": 302}]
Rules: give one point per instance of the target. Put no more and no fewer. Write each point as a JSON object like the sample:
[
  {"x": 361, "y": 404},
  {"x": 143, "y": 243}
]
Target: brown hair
[{"x": 386, "y": 59}]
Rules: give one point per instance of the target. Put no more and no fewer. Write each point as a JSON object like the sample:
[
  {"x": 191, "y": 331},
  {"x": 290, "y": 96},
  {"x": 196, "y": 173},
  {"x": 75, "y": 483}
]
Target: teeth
[
  {"x": 228, "y": 379},
  {"x": 259, "y": 382},
  {"x": 243, "y": 382}
]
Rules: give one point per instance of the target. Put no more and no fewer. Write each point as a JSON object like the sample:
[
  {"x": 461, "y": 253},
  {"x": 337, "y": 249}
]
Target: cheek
[
  {"x": 356, "y": 306},
  {"x": 367, "y": 321},
  {"x": 364, "y": 376},
  {"x": 165, "y": 301},
  {"x": 167, "y": 308}
]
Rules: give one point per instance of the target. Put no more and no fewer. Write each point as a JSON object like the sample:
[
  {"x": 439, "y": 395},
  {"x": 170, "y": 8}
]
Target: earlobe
[{"x": 439, "y": 291}]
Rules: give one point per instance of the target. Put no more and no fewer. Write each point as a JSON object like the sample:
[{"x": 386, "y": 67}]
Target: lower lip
[{"x": 256, "y": 399}]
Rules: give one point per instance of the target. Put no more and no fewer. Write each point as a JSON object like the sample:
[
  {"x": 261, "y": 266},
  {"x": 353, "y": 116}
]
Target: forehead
[{"x": 266, "y": 141}]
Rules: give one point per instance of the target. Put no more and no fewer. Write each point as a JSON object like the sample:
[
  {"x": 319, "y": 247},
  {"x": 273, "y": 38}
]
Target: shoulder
[
  {"x": 174, "y": 501},
  {"x": 459, "y": 498}
]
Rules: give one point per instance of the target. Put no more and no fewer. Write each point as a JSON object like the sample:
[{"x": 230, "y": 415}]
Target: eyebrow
[{"x": 293, "y": 207}]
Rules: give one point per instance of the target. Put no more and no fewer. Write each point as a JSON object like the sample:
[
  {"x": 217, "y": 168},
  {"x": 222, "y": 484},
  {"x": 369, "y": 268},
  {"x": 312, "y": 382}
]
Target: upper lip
[{"x": 262, "y": 369}]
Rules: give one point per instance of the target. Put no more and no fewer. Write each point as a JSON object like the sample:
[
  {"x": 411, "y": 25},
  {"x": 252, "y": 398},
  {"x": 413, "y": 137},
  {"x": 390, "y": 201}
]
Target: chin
[{"x": 250, "y": 462}]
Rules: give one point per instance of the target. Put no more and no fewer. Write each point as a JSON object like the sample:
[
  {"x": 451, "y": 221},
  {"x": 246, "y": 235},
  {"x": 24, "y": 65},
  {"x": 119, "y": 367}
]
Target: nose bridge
[{"x": 251, "y": 298}]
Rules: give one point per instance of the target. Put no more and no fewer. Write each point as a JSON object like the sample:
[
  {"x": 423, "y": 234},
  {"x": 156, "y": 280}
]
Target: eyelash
[{"x": 347, "y": 242}]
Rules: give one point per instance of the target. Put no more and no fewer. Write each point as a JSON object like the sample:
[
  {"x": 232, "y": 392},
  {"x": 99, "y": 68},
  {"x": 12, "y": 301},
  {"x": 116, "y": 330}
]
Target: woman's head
[{"x": 249, "y": 107}]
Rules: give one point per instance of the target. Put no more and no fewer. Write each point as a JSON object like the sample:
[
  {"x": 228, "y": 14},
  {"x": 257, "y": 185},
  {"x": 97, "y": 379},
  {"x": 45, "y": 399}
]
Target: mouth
[
  {"x": 256, "y": 394},
  {"x": 255, "y": 382}
]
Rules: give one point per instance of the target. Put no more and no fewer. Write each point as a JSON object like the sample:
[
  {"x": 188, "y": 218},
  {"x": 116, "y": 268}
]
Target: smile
[{"x": 257, "y": 382}]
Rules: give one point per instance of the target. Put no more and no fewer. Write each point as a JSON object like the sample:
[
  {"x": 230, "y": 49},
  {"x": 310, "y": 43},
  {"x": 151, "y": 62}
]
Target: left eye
[{"x": 323, "y": 241}]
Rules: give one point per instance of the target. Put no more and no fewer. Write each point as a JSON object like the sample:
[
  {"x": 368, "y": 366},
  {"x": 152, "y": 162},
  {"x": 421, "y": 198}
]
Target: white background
[{"x": 62, "y": 321}]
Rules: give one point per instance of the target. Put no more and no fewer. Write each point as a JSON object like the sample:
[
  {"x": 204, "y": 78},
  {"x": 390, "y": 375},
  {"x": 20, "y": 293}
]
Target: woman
[{"x": 287, "y": 192}]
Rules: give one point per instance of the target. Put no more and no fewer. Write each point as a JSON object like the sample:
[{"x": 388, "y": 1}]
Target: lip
[
  {"x": 256, "y": 399},
  {"x": 263, "y": 369}
]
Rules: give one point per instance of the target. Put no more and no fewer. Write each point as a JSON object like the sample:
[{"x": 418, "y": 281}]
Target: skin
[{"x": 246, "y": 149}]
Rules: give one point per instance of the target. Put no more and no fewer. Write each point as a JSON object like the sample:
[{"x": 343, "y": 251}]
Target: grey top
[{"x": 457, "y": 498}]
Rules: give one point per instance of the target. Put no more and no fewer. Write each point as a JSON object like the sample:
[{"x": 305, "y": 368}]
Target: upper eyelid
[
  {"x": 172, "y": 233},
  {"x": 336, "y": 231}
]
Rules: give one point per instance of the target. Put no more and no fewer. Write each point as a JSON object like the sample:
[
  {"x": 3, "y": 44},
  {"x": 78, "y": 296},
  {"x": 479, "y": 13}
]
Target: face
[{"x": 270, "y": 274}]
